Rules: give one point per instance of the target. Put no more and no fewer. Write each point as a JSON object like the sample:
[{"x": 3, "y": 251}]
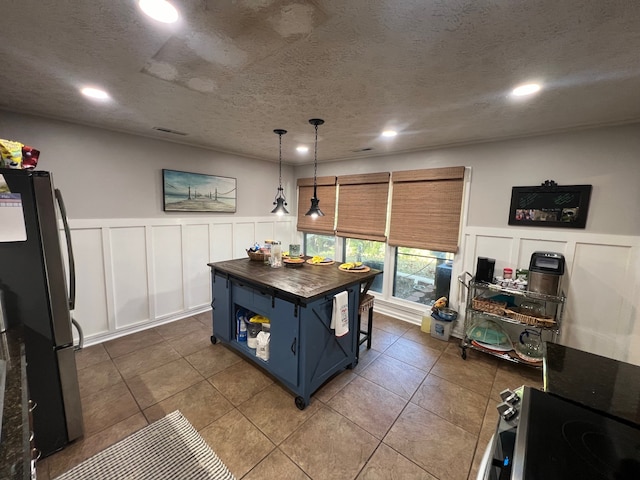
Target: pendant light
[
  {"x": 315, "y": 211},
  {"x": 280, "y": 201}
]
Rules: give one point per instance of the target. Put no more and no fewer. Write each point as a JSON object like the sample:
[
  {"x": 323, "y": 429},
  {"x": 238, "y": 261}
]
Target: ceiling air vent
[
  {"x": 172, "y": 132},
  {"x": 366, "y": 149}
]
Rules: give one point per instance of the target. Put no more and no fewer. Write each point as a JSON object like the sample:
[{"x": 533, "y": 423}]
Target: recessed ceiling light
[
  {"x": 526, "y": 89},
  {"x": 389, "y": 133},
  {"x": 95, "y": 93},
  {"x": 302, "y": 149},
  {"x": 159, "y": 10}
]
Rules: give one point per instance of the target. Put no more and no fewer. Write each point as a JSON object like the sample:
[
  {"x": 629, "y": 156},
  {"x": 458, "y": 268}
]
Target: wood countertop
[{"x": 301, "y": 284}]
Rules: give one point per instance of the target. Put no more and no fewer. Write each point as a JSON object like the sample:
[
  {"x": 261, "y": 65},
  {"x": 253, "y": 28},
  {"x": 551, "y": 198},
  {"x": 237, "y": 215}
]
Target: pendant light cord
[
  {"x": 280, "y": 157},
  {"x": 280, "y": 194},
  {"x": 315, "y": 162}
]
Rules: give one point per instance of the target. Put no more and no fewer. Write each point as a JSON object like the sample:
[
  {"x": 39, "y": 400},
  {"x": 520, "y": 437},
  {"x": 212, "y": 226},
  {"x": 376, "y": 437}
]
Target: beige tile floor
[{"x": 411, "y": 409}]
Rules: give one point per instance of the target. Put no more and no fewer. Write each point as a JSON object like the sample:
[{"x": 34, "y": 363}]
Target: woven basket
[
  {"x": 489, "y": 306},
  {"x": 257, "y": 256},
  {"x": 541, "y": 321}
]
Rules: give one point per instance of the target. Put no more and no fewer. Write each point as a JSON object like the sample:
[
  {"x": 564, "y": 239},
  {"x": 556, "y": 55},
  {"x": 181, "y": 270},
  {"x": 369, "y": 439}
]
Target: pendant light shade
[
  {"x": 315, "y": 211},
  {"x": 280, "y": 201}
]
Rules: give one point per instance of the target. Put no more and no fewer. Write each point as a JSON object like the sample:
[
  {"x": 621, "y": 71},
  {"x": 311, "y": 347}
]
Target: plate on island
[
  {"x": 325, "y": 261},
  {"x": 358, "y": 269},
  {"x": 293, "y": 262}
]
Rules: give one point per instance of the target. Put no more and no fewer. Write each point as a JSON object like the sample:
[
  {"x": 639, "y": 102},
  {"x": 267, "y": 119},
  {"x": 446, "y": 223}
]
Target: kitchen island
[{"x": 304, "y": 351}]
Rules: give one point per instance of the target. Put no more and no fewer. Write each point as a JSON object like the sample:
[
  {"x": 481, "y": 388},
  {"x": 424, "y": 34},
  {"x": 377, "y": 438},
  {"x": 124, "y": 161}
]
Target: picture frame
[
  {"x": 550, "y": 205},
  {"x": 197, "y": 192}
]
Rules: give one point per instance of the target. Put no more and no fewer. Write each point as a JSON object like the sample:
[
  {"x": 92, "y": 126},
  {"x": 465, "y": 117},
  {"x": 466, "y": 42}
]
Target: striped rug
[{"x": 169, "y": 448}]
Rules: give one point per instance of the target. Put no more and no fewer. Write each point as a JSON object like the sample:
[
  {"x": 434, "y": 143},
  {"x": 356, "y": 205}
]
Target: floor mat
[{"x": 169, "y": 448}]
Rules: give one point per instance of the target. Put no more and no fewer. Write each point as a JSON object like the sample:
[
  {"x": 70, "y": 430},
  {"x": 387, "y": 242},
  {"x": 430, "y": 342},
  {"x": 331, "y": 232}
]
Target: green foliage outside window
[
  {"x": 420, "y": 276},
  {"x": 321, "y": 245},
  {"x": 416, "y": 276},
  {"x": 368, "y": 252}
]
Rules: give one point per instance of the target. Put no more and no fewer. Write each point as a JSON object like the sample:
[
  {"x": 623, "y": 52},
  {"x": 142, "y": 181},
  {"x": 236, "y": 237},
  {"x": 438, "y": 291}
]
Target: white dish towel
[{"x": 340, "y": 314}]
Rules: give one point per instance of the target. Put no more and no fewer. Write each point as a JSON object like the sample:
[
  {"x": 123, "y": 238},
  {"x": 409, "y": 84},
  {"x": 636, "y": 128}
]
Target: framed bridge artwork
[{"x": 198, "y": 192}]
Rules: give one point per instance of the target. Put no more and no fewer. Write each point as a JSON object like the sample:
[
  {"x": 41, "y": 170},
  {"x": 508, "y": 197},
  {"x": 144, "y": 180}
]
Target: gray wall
[
  {"x": 112, "y": 175},
  {"x": 107, "y": 174},
  {"x": 607, "y": 158}
]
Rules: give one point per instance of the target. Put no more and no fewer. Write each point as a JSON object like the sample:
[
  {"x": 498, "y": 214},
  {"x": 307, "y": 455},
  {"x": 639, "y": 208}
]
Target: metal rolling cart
[{"x": 512, "y": 310}]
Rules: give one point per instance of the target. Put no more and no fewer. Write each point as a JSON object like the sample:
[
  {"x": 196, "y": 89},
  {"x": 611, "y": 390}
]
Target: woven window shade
[
  {"x": 362, "y": 206},
  {"x": 425, "y": 208},
  {"x": 326, "y": 191}
]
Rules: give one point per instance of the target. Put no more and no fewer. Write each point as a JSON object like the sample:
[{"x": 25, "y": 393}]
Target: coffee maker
[{"x": 484, "y": 269}]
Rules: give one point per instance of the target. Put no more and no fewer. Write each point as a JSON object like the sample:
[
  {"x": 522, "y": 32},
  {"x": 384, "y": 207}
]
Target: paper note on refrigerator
[{"x": 12, "y": 228}]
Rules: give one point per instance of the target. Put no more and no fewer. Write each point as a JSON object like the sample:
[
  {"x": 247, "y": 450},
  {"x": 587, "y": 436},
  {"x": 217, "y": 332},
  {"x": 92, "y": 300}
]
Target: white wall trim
[
  {"x": 134, "y": 307},
  {"x": 601, "y": 282}
]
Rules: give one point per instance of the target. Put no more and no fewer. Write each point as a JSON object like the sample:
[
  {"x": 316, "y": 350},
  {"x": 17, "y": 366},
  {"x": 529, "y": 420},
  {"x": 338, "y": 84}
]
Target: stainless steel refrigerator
[{"x": 34, "y": 279}]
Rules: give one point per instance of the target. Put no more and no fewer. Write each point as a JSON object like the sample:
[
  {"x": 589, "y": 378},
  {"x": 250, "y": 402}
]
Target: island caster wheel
[
  {"x": 353, "y": 365},
  {"x": 214, "y": 340},
  {"x": 300, "y": 403}
]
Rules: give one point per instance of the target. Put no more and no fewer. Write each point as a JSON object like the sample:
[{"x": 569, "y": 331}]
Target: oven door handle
[{"x": 485, "y": 463}]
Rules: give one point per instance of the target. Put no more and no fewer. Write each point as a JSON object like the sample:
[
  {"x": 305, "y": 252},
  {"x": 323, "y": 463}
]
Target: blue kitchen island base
[{"x": 304, "y": 351}]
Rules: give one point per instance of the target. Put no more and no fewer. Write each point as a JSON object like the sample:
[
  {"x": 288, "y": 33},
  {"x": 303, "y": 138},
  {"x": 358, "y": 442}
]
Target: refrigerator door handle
[{"x": 72, "y": 264}]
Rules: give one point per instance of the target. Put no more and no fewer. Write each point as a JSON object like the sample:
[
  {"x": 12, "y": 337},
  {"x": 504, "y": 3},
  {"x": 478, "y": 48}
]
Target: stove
[{"x": 541, "y": 436}]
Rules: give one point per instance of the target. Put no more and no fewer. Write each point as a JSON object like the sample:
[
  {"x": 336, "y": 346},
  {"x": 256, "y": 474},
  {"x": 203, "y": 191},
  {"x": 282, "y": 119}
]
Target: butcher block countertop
[{"x": 300, "y": 284}]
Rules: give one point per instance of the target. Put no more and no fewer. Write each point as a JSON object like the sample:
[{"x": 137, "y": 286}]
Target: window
[
  {"x": 362, "y": 206},
  {"x": 426, "y": 208},
  {"x": 422, "y": 276},
  {"x": 321, "y": 245},
  {"x": 370, "y": 253},
  {"x": 326, "y": 192}
]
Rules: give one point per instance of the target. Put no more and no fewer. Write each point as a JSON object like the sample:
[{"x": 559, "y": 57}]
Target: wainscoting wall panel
[
  {"x": 130, "y": 267},
  {"x": 124, "y": 266},
  {"x": 196, "y": 272},
  {"x": 167, "y": 280},
  {"x": 500, "y": 248},
  {"x": 244, "y": 236},
  {"x": 529, "y": 245},
  {"x": 265, "y": 231},
  {"x": 601, "y": 319},
  {"x": 601, "y": 282},
  {"x": 221, "y": 241},
  {"x": 133, "y": 274},
  {"x": 91, "y": 295}
]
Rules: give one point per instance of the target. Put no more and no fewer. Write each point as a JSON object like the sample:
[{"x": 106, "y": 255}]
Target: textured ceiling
[{"x": 227, "y": 74}]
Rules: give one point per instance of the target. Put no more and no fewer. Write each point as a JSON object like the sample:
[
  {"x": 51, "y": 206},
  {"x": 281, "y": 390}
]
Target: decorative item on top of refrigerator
[{"x": 17, "y": 156}]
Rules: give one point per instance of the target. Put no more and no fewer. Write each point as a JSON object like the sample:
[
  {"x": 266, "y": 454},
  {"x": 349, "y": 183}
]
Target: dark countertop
[
  {"x": 597, "y": 382},
  {"x": 302, "y": 284},
  {"x": 14, "y": 446}
]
